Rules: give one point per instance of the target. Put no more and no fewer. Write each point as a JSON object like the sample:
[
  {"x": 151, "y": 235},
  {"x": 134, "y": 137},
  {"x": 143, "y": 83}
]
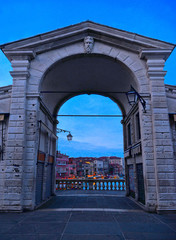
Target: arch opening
[
  {"x": 96, "y": 151},
  {"x": 104, "y": 76}
]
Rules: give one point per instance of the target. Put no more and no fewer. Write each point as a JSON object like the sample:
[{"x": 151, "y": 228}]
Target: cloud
[{"x": 77, "y": 149}]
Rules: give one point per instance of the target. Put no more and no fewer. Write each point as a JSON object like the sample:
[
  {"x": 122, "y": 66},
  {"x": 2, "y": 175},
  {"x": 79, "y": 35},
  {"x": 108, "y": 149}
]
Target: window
[
  {"x": 138, "y": 130},
  {"x": 129, "y": 134}
]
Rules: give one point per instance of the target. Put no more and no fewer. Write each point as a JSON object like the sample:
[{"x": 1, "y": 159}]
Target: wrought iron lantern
[
  {"x": 69, "y": 137},
  {"x": 133, "y": 96}
]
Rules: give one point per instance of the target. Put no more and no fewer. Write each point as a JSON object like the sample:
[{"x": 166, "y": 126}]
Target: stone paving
[{"x": 87, "y": 216}]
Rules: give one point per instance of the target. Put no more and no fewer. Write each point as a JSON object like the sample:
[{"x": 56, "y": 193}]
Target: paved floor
[{"x": 87, "y": 216}]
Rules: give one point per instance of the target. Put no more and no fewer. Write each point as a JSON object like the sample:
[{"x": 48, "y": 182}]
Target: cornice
[
  {"x": 19, "y": 54},
  {"x": 155, "y": 54},
  {"x": 74, "y": 33},
  {"x": 20, "y": 74}
]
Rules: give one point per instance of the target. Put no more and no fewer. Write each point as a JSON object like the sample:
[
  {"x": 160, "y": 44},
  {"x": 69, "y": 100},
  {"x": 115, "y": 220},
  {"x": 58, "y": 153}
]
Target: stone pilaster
[
  {"x": 15, "y": 154},
  {"x": 162, "y": 141}
]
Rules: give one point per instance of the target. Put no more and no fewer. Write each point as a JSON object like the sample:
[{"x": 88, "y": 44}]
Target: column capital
[
  {"x": 155, "y": 54},
  {"x": 19, "y": 54},
  {"x": 19, "y": 74}
]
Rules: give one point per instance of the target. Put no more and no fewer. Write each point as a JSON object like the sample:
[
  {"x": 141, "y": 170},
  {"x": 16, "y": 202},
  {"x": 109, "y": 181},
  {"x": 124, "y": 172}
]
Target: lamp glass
[
  {"x": 69, "y": 137},
  {"x": 132, "y": 97}
]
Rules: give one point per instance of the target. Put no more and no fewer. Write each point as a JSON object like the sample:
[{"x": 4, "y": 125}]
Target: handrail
[{"x": 91, "y": 184}]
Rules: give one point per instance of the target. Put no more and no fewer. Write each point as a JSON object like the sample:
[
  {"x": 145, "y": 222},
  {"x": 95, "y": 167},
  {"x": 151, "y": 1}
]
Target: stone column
[
  {"x": 15, "y": 156},
  {"x": 162, "y": 141}
]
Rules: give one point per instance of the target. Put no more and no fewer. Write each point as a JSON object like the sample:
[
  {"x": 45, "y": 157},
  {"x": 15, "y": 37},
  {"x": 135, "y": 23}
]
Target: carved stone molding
[{"x": 19, "y": 54}]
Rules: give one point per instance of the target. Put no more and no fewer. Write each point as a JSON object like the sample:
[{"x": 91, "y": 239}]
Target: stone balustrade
[{"x": 91, "y": 184}]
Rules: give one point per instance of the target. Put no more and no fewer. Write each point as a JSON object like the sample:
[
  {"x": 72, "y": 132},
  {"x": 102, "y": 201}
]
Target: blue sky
[{"x": 156, "y": 19}]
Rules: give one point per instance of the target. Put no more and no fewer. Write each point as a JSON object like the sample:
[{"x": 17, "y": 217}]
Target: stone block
[
  {"x": 12, "y": 124},
  {"x": 142, "y": 73},
  {"x": 165, "y": 168},
  {"x": 167, "y": 182},
  {"x": 102, "y": 49},
  {"x": 166, "y": 175},
  {"x": 149, "y": 156},
  {"x": 29, "y": 156},
  {"x": 157, "y": 104},
  {"x": 162, "y": 129},
  {"x": 13, "y": 183},
  {"x": 30, "y": 144},
  {"x": 151, "y": 189},
  {"x": 27, "y": 203},
  {"x": 17, "y": 117},
  {"x": 27, "y": 196},
  {"x": 34, "y": 80},
  {"x": 152, "y": 196},
  {"x": 167, "y": 196},
  {"x": 150, "y": 169},
  {"x": 74, "y": 49},
  {"x": 12, "y": 203},
  {"x": 167, "y": 189},
  {"x": 136, "y": 66},
  {"x": 29, "y": 163},
  {"x": 150, "y": 175},
  {"x": 12, "y": 196},
  {"x": 151, "y": 182},
  {"x": 17, "y": 111},
  {"x": 62, "y": 52},
  {"x": 114, "y": 52},
  {"x": 32, "y": 89},
  {"x": 36, "y": 73},
  {"x": 166, "y": 155}
]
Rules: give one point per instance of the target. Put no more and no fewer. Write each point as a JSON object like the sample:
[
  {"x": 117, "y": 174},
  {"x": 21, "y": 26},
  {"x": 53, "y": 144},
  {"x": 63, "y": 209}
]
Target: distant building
[
  {"x": 72, "y": 168},
  {"x": 62, "y": 165},
  {"x": 84, "y": 167}
]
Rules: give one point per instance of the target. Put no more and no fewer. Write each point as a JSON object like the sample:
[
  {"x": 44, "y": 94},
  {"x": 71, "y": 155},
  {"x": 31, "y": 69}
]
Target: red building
[{"x": 62, "y": 165}]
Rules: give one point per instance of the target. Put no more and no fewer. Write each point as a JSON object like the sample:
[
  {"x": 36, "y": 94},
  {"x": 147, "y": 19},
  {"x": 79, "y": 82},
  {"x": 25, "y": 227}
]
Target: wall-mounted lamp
[
  {"x": 69, "y": 136},
  {"x": 133, "y": 96}
]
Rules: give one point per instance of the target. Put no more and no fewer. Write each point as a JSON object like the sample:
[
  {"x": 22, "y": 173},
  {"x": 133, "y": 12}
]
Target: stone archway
[{"x": 57, "y": 61}]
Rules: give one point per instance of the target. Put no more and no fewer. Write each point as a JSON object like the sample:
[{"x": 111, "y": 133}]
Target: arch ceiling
[{"x": 87, "y": 74}]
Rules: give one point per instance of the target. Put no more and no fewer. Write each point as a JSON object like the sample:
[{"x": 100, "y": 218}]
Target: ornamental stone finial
[{"x": 88, "y": 44}]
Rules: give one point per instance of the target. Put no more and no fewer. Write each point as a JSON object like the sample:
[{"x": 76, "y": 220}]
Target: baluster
[
  {"x": 101, "y": 183},
  {"x": 105, "y": 183},
  {"x": 123, "y": 186},
  {"x": 109, "y": 186},
  {"x": 68, "y": 185},
  {"x": 60, "y": 185},
  {"x": 118, "y": 186}
]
